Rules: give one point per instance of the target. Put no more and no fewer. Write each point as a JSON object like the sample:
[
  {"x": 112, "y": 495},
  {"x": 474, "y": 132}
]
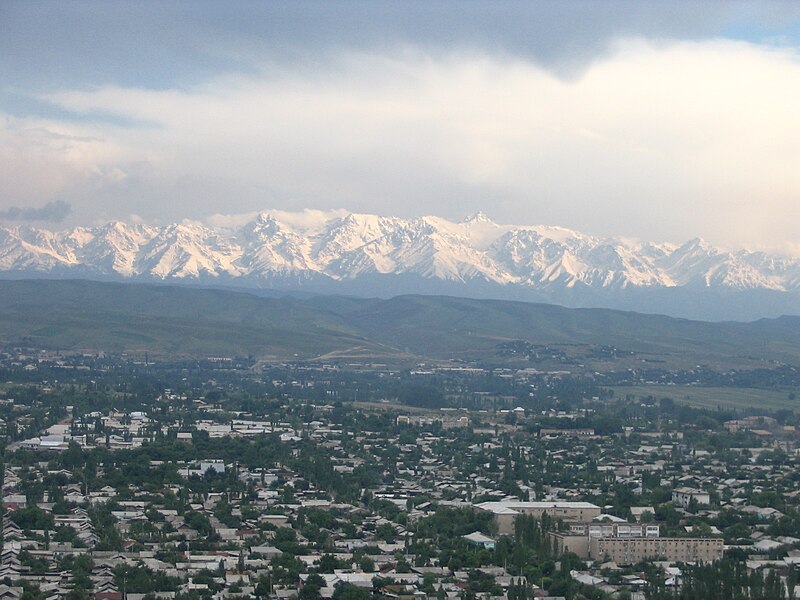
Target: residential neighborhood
[{"x": 189, "y": 495}]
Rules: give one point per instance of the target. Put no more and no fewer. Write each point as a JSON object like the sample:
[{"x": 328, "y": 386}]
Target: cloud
[
  {"x": 304, "y": 220},
  {"x": 172, "y": 44},
  {"x": 55, "y": 211},
  {"x": 661, "y": 140}
]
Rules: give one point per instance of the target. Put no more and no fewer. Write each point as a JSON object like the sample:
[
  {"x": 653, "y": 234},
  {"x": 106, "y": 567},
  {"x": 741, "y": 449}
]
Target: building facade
[
  {"x": 628, "y": 551},
  {"x": 506, "y": 512},
  {"x": 683, "y": 496}
]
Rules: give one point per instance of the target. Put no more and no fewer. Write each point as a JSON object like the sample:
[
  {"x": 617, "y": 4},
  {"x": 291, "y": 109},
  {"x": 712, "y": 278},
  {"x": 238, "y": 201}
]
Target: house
[
  {"x": 683, "y": 496},
  {"x": 479, "y": 539}
]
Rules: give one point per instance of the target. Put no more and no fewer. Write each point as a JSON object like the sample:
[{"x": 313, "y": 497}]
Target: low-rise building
[{"x": 683, "y": 496}]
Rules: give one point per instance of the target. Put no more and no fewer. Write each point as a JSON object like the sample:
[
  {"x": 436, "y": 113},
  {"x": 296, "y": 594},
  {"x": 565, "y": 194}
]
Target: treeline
[{"x": 726, "y": 579}]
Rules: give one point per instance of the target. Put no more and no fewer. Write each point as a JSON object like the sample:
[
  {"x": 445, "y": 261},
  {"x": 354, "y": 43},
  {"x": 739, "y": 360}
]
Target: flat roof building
[
  {"x": 505, "y": 512},
  {"x": 683, "y": 496},
  {"x": 629, "y": 551}
]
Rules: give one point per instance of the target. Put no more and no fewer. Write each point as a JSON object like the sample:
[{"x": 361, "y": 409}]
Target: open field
[
  {"x": 394, "y": 406},
  {"x": 712, "y": 397}
]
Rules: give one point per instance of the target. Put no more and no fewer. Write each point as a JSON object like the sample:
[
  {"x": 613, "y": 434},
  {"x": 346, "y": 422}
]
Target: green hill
[
  {"x": 192, "y": 321},
  {"x": 166, "y": 319},
  {"x": 460, "y": 327}
]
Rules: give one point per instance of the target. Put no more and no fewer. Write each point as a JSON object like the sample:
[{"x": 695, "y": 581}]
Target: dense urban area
[{"x": 130, "y": 477}]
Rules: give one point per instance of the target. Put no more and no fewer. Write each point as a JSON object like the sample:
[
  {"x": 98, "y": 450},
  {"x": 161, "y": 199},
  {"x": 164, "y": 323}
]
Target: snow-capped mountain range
[{"x": 276, "y": 246}]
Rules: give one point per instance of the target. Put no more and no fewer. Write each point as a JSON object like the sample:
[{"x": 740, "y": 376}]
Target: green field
[{"x": 712, "y": 397}]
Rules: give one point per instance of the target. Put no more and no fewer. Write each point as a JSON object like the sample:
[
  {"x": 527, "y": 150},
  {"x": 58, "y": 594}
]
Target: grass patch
[{"x": 713, "y": 397}]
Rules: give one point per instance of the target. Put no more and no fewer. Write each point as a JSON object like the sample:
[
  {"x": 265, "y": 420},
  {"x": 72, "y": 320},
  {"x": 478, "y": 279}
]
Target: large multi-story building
[
  {"x": 616, "y": 530},
  {"x": 631, "y": 550},
  {"x": 567, "y": 541},
  {"x": 576, "y": 539},
  {"x": 506, "y": 512},
  {"x": 628, "y": 551}
]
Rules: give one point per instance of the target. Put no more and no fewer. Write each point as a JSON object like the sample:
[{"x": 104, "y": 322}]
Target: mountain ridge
[
  {"x": 196, "y": 321},
  {"x": 278, "y": 249}
]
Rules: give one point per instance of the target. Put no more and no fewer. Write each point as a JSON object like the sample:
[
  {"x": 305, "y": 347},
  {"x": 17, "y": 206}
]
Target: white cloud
[
  {"x": 664, "y": 141},
  {"x": 310, "y": 220}
]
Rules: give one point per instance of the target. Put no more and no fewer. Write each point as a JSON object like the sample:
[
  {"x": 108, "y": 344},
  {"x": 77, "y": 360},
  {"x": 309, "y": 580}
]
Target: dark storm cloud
[
  {"x": 55, "y": 211},
  {"x": 160, "y": 44}
]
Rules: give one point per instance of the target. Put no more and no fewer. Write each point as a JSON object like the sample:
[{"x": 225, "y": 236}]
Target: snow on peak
[
  {"x": 478, "y": 217},
  {"x": 342, "y": 245}
]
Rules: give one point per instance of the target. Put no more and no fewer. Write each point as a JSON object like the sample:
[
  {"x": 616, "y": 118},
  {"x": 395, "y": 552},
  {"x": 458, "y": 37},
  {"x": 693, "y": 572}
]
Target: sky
[{"x": 655, "y": 120}]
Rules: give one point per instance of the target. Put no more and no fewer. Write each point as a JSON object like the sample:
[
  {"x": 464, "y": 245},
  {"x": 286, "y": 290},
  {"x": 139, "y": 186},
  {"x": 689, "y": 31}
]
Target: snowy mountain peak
[
  {"x": 478, "y": 217},
  {"x": 342, "y": 246}
]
